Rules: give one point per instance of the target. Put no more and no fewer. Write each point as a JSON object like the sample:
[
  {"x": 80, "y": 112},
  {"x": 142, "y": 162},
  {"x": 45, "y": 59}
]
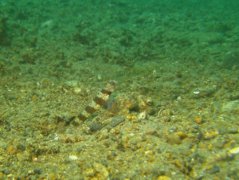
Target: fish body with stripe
[{"x": 99, "y": 101}]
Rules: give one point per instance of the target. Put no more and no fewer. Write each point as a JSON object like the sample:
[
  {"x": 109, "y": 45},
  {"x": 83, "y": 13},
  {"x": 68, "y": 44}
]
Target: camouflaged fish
[{"x": 99, "y": 101}]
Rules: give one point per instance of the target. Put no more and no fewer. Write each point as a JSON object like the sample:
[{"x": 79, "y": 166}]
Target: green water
[{"x": 177, "y": 100}]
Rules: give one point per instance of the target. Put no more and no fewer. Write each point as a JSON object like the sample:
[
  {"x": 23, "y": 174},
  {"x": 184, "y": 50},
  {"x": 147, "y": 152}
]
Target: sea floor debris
[{"x": 173, "y": 115}]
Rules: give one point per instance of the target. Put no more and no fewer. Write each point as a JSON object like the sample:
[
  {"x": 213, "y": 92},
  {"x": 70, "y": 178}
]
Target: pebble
[
  {"x": 234, "y": 151},
  {"x": 198, "y": 120},
  {"x": 204, "y": 92},
  {"x": 77, "y": 90},
  {"x": 142, "y": 115},
  {"x": 73, "y": 157},
  {"x": 210, "y": 134}
]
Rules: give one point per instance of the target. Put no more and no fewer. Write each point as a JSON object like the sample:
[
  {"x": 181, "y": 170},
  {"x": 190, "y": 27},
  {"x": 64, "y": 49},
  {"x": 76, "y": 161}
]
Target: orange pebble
[{"x": 198, "y": 120}]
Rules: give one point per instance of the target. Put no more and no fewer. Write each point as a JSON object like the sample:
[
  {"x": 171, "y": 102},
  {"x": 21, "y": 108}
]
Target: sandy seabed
[{"x": 173, "y": 114}]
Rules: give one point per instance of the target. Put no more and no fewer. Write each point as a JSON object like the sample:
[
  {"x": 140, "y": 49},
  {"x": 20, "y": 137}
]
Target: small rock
[
  {"x": 210, "y": 134},
  {"x": 73, "y": 157}
]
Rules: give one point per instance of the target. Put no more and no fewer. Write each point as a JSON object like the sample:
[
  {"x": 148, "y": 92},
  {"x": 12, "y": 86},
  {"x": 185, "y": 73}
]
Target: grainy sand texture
[{"x": 173, "y": 113}]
